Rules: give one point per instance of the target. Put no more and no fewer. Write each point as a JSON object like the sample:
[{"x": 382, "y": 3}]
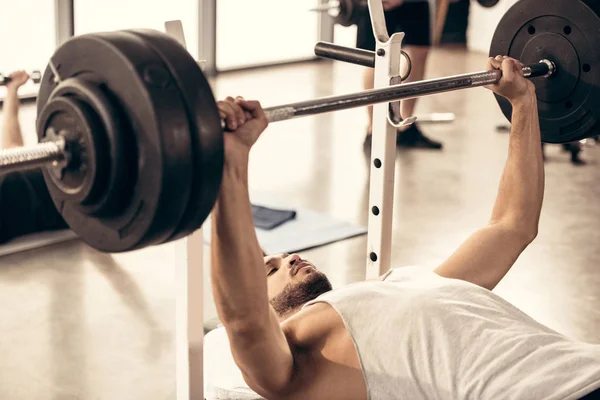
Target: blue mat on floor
[{"x": 308, "y": 230}]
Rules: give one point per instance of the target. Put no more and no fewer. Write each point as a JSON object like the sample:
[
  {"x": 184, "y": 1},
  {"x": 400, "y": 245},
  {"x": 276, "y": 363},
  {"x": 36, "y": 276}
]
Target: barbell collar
[
  {"x": 544, "y": 68},
  {"x": 31, "y": 157}
]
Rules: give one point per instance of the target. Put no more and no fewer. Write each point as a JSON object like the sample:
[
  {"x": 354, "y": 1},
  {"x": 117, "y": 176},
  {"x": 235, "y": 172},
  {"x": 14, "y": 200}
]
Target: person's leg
[
  {"x": 11, "y": 133},
  {"x": 365, "y": 40},
  {"x": 418, "y": 56},
  {"x": 413, "y": 20},
  {"x": 368, "y": 83}
]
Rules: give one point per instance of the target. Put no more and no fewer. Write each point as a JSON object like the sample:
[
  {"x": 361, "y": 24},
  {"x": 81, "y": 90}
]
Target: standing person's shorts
[
  {"x": 412, "y": 18},
  {"x": 26, "y": 206}
]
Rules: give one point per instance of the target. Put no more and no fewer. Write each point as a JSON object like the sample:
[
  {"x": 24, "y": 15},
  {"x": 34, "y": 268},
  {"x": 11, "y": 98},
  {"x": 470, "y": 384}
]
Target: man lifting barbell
[
  {"x": 25, "y": 204},
  {"x": 412, "y": 333}
]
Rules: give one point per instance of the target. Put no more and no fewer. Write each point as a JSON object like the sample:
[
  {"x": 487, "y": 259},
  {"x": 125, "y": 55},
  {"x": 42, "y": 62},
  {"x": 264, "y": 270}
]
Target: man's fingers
[
  {"x": 17, "y": 74},
  {"x": 253, "y": 107},
  {"x": 229, "y": 115},
  {"x": 508, "y": 69},
  {"x": 238, "y": 111},
  {"x": 515, "y": 64},
  {"x": 494, "y": 63}
]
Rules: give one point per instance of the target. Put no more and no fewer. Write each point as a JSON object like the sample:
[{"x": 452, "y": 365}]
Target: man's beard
[{"x": 295, "y": 295}]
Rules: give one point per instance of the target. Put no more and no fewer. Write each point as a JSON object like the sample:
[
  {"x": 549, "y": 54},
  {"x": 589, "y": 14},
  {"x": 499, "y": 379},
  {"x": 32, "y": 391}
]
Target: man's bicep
[
  {"x": 264, "y": 356},
  {"x": 485, "y": 257}
]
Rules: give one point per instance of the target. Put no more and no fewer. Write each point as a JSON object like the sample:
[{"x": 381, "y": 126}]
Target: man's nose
[{"x": 292, "y": 259}]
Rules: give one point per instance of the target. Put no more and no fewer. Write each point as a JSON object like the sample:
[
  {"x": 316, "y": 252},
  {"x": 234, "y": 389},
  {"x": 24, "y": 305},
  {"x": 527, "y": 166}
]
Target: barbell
[
  {"x": 131, "y": 142},
  {"x": 35, "y": 76}
]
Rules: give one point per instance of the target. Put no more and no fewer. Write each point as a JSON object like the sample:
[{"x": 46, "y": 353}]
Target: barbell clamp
[{"x": 545, "y": 68}]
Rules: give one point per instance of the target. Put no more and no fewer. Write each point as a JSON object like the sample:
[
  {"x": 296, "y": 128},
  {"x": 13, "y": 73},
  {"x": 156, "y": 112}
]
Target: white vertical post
[
  {"x": 189, "y": 297},
  {"x": 326, "y": 25},
  {"x": 64, "y": 20},
  {"x": 207, "y": 19},
  {"x": 383, "y": 149},
  {"x": 189, "y": 321}
]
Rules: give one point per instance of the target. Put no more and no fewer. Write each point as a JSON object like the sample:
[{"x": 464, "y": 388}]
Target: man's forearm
[
  {"x": 521, "y": 191},
  {"x": 238, "y": 273},
  {"x": 11, "y": 132}
]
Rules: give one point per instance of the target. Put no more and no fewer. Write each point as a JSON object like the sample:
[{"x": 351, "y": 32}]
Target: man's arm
[
  {"x": 11, "y": 133},
  {"x": 239, "y": 278},
  {"x": 486, "y": 257}
]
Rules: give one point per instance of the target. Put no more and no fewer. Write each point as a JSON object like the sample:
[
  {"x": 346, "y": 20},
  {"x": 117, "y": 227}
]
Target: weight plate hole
[
  {"x": 375, "y": 210},
  {"x": 377, "y": 163},
  {"x": 567, "y": 30},
  {"x": 531, "y": 30},
  {"x": 586, "y": 68},
  {"x": 373, "y": 257},
  {"x": 568, "y": 104}
]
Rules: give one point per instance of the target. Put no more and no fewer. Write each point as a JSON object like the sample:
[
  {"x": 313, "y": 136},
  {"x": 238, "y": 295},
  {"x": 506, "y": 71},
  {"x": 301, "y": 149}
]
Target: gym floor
[{"x": 77, "y": 324}]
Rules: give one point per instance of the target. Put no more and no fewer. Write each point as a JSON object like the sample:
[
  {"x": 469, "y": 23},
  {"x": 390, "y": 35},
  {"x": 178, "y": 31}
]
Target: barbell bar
[
  {"x": 544, "y": 68},
  {"x": 43, "y": 154}
]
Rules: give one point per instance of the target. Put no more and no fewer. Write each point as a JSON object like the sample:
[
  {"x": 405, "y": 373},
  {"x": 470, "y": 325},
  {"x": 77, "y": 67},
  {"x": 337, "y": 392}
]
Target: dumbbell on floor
[{"x": 35, "y": 76}]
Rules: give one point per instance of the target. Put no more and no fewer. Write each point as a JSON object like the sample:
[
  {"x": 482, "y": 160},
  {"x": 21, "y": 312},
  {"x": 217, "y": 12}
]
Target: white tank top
[{"x": 421, "y": 336}]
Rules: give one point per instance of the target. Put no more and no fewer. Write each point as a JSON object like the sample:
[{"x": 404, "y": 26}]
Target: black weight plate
[
  {"x": 76, "y": 121},
  {"x": 160, "y": 161},
  {"x": 205, "y": 126},
  {"x": 346, "y": 16},
  {"x": 110, "y": 182},
  {"x": 566, "y": 32},
  {"x": 488, "y": 3}
]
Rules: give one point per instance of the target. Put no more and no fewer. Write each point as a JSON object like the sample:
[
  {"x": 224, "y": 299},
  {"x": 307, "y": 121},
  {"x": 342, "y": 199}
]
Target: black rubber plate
[
  {"x": 488, "y": 3},
  {"x": 205, "y": 126},
  {"x": 566, "y": 32},
  {"x": 160, "y": 161}
]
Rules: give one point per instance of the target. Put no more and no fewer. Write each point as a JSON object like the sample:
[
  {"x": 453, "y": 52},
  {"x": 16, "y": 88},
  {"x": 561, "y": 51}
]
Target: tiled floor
[{"x": 77, "y": 324}]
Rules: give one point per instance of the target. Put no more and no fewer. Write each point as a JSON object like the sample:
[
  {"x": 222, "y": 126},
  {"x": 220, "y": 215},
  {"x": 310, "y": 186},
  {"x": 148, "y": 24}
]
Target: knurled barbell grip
[{"x": 30, "y": 157}]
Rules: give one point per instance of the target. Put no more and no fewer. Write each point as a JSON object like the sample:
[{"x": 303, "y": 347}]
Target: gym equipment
[
  {"x": 488, "y": 3},
  {"x": 362, "y": 57},
  {"x": 35, "y": 76},
  {"x": 567, "y": 33},
  {"x": 344, "y": 12},
  {"x": 347, "y": 12},
  {"x": 130, "y": 134}
]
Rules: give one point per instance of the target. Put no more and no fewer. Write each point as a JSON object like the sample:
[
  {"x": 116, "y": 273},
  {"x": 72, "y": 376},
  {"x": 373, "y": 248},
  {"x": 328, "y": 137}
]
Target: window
[
  {"x": 28, "y": 38},
  {"x": 264, "y": 32},
  {"x": 111, "y": 15}
]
